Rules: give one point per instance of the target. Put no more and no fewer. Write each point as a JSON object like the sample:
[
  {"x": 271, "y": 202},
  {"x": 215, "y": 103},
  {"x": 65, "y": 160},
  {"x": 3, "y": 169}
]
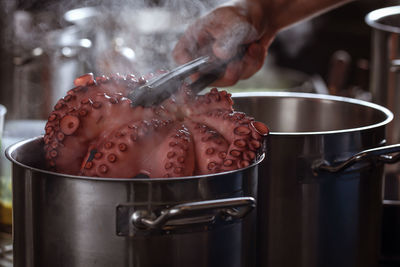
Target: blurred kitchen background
[{"x": 45, "y": 44}]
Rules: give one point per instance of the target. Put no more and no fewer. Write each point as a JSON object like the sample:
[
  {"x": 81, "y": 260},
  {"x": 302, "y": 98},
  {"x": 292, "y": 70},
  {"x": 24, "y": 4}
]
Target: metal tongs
[{"x": 162, "y": 87}]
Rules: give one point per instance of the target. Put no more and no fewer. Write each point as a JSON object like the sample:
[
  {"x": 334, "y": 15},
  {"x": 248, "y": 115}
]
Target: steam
[
  {"x": 295, "y": 38},
  {"x": 136, "y": 36},
  {"x": 103, "y": 37}
]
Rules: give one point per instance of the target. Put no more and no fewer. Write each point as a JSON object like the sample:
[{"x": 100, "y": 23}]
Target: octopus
[{"x": 95, "y": 131}]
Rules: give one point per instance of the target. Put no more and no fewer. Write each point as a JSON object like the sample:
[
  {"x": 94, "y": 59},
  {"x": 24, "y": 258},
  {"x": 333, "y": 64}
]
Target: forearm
[
  {"x": 292, "y": 11},
  {"x": 275, "y": 15}
]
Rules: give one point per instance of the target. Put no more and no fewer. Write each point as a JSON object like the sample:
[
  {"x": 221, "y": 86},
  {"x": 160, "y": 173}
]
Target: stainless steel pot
[
  {"x": 44, "y": 73},
  {"x": 64, "y": 220},
  {"x": 320, "y": 188},
  {"x": 385, "y": 88},
  {"x": 385, "y": 67}
]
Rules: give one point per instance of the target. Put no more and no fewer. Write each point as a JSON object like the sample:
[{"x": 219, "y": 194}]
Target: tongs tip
[{"x": 160, "y": 88}]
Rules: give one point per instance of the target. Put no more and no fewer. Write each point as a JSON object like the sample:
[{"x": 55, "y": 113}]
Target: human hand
[
  {"x": 223, "y": 33},
  {"x": 244, "y": 23}
]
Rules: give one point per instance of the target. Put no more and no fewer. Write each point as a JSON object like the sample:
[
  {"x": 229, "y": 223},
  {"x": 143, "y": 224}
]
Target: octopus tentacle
[
  {"x": 95, "y": 131},
  {"x": 83, "y": 115},
  {"x": 129, "y": 151},
  {"x": 238, "y": 129},
  {"x": 201, "y": 104},
  {"x": 180, "y": 156},
  {"x": 210, "y": 148}
]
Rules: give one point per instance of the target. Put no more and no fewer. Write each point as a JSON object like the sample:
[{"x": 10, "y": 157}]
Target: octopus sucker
[
  {"x": 95, "y": 131},
  {"x": 124, "y": 157},
  {"x": 69, "y": 124},
  {"x": 208, "y": 145}
]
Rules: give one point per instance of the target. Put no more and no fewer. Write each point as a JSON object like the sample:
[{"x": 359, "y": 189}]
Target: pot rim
[
  {"x": 13, "y": 147},
  {"x": 372, "y": 18},
  {"x": 387, "y": 112}
]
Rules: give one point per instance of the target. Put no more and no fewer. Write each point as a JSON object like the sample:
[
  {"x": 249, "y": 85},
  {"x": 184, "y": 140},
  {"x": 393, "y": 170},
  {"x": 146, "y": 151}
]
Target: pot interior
[{"x": 297, "y": 113}]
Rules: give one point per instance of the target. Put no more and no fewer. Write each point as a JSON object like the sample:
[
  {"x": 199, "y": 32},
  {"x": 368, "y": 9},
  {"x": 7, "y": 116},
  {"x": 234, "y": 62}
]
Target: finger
[
  {"x": 195, "y": 42},
  {"x": 244, "y": 68},
  {"x": 182, "y": 50},
  {"x": 187, "y": 45},
  {"x": 267, "y": 39},
  {"x": 253, "y": 60},
  {"x": 231, "y": 75}
]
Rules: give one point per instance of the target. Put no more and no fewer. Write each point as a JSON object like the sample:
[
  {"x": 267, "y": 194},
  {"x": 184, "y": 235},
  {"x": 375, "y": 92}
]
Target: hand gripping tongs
[{"x": 160, "y": 88}]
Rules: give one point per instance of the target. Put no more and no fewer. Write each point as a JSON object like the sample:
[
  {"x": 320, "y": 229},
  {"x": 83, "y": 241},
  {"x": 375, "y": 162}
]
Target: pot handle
[
  {"x": 228, "y": 208},
  {"x": 374, "y": 155}
]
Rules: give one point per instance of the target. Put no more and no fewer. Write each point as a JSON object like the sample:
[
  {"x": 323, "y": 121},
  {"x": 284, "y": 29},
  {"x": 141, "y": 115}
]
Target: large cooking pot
[
  {"x": 385, "y": 67},
  {"x": 385, "y": 88},
  {"x": 72, "y": 221},
  {"x": 319, "y": 200},
  {"x": 44, "y": 74}
]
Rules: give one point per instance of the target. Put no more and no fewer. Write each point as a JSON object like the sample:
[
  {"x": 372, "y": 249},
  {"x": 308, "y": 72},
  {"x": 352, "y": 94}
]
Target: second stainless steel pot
[
  {"x": 63, "y": 220},
  {"x": 385, "y": 88},
  {"x": 320, "y": 188}
]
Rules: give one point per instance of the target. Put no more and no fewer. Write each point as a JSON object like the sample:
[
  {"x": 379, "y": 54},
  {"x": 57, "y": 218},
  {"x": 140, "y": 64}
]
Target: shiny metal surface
[
  {"x": 45, "y": 72},
  {"x": 385, "y": 85},
  {"x": 64, "y": 220},
  {"x": 385, "y": 88},
  {"x": 385, "y": 154},
  {"x": 227, "y": 209},
  {"x": 309, "y": 220}
]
